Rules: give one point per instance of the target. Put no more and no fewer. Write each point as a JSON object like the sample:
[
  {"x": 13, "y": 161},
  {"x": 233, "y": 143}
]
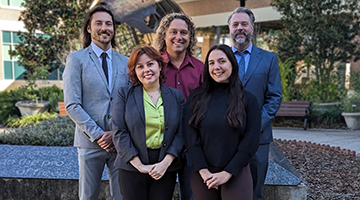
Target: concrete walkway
[{"x": 345, "y": 139}]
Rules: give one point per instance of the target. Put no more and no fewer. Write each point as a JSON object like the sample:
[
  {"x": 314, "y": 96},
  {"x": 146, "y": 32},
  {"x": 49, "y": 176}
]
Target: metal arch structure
[{"x": 144, "y": 15}]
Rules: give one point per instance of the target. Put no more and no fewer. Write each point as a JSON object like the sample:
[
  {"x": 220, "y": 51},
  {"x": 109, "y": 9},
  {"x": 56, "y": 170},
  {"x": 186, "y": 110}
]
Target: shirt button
[
  {"x": 178, "y": 83},
  {"x": 109, "y": 116},
  {"x": 159, "y": 118}
]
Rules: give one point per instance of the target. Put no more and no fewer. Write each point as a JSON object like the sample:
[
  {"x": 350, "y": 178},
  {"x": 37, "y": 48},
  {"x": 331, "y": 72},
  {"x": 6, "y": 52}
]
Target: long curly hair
[
  {"x": 202, "y": 96},
  {"x": 159, "y": 41},
  {"x": 152, "y": 53}
]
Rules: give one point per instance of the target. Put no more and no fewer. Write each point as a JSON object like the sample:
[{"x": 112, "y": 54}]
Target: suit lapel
[
  {"x": 139, "y": 101},
  {"x": 114, "y": 70},
  {"x": 99, "y": 68},
  {"x": 253, "y": 64},
  {"x": 166, "y": 103}
]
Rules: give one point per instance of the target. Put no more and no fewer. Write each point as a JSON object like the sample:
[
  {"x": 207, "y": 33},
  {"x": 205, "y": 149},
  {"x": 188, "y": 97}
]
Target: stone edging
[{"x": 308, "y": 143}]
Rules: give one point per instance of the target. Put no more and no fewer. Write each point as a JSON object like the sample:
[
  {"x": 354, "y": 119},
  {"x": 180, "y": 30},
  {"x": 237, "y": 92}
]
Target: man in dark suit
[
  {"x": 259, "y": 73},
  {"x": 91, "y": 78}
]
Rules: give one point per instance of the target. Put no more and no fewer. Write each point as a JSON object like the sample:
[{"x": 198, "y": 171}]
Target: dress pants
[
  {"x": 236, "y": 188},
  {"x": 259, "y": 165},
  {"x": 184, "y": 180},
  {"x": 139, "y": 186},
  {"x": 91, "y": 167}
]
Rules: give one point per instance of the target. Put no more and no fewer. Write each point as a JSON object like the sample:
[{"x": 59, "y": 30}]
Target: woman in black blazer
[
  {"x": 147, "y": 129},
  {"x": 222, "y": 129}
]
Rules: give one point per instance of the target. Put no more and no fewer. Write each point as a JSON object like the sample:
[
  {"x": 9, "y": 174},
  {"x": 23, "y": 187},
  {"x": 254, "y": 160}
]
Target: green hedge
[{"x": 56, "y": 131}]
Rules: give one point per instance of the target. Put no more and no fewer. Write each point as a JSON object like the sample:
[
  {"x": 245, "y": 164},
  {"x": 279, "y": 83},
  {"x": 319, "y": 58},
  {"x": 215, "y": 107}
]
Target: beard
[
  {"x": 104, "y": 41},
  {"x": 241, "y": 41}
]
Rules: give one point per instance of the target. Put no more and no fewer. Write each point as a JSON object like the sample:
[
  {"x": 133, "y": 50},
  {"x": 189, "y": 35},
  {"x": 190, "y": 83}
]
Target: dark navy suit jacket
[
  {"x": 129, "y": 134},
  {"x": 262, "y": 78}
]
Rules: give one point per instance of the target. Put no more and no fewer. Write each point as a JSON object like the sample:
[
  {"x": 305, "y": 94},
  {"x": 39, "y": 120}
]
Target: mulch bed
[{"x": 329, "y": 172}]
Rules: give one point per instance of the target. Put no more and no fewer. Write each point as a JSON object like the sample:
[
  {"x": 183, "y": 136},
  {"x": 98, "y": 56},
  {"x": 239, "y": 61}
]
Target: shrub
[
  {"x": 355, "y": 80},
  {"x": 57, "y": 131},
  {"x": 348, "y": 102},
  {"x": 7, "y": 104},
  {"x": 327, "y": 115},
  {"x": 54, "y": 98},
  {"x": 288, "y": 76},
  {"x": 15, "y": 122},
  {"x": 8, "y": 110}
]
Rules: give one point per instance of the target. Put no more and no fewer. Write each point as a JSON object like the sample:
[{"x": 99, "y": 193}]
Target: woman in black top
[{"x": 221, "y": 129}]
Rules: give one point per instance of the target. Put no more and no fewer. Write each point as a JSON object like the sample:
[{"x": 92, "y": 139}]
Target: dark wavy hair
[
  {"x": 159, "y": 41},
  {"x": 153, "y": 54},
  {"x": 87, "y": 22},
  {"x": 202, "y": 95}
]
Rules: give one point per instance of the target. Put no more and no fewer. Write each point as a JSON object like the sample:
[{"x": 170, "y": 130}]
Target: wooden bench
[
  {"x": 62, "y": 110},
  {"x": 296, "y": 109}
]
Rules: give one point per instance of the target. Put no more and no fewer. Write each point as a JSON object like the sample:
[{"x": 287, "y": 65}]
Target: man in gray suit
[
  {"x": 92, "y": 77},
  {"x": 259, "y": 73}
]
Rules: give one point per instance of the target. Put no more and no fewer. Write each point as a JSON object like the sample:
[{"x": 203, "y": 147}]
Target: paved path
[{"x": 345, "y": 139}]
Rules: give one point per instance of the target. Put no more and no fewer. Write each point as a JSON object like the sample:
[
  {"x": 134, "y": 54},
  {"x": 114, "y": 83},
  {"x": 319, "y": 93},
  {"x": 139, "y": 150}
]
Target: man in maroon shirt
[{"x": 175, "y": 39}]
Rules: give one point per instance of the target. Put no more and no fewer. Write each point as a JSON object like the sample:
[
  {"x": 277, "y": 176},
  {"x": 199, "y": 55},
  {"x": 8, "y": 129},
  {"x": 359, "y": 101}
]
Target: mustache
[
  {"x": 241, "y": 32},
  {"x": 104, "y": 32}
]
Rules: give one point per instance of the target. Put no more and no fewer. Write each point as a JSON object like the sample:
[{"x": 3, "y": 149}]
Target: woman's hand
[
  {"x": 158, "y": 170},
  {"x": 136, "y": 162},
  {"x": 205, "y": 174},
  {"x": 218, "y": 179}
]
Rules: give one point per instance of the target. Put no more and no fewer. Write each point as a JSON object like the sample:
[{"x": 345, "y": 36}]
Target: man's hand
[{"x": 105, "y": 141}]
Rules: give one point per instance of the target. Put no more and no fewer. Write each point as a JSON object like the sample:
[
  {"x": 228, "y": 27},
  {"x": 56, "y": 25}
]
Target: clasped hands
[
  {"x": 214, "y": 180},
  {"x": 157, "y": 170}
]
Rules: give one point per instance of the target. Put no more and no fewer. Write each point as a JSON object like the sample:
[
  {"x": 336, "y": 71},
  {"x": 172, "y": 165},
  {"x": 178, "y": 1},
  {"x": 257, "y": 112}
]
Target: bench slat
[
  {"x": 296, "y": 109},
  {"x": 62, "y": 110}
]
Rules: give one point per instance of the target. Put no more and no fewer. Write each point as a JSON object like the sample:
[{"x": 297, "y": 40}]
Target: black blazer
[{"x": 129, "y": 134}]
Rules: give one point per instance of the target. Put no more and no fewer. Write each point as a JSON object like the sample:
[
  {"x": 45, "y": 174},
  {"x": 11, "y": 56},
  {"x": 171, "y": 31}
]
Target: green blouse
[{"x": 154, "y": 121}]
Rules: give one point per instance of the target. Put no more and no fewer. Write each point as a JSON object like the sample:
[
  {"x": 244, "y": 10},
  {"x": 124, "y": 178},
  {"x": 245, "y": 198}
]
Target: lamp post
[{"x": 242, "y": 3}]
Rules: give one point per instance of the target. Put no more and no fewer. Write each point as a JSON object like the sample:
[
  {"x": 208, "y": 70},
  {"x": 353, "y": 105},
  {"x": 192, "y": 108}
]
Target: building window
[
  {"x": 12, "y": 71},
  {"x": 15, "y": 3},
  {"x": 11, "y": 68}
]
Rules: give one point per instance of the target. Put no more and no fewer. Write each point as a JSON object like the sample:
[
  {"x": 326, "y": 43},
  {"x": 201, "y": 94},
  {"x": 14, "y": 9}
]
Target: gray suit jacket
[
  {"x": 262, "y": 78},
  {"x": 129, "y": 134},
  {"x": 88, "y": 99}
]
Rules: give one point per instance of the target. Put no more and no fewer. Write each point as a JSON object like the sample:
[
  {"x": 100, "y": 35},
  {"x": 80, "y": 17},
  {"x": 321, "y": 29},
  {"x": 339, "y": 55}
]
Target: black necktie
[{"x": 104, "y": 65}]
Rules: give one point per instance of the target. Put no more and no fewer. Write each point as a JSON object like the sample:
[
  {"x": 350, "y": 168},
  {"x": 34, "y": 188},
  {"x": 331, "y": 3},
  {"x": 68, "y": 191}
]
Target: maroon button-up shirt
[{"x": 185, "y": 78}]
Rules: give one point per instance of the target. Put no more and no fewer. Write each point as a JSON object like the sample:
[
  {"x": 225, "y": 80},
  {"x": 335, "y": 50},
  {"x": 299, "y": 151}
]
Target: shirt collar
[
  {"x": 98, "y": 51},
  {"x": 187, "y": 59},
  {"x": 249, "y": 49}
]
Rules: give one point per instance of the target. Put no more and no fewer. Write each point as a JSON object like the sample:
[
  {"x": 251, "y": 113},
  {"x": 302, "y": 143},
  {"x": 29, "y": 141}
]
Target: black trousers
[
  {"x": 237, "y": 188},
  {"x": 138, "y": 186}
]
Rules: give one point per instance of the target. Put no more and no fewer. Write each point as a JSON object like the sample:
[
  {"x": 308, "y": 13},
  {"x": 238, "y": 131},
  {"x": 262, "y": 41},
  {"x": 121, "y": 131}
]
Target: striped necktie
[{"x": 241, "y": 63}]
